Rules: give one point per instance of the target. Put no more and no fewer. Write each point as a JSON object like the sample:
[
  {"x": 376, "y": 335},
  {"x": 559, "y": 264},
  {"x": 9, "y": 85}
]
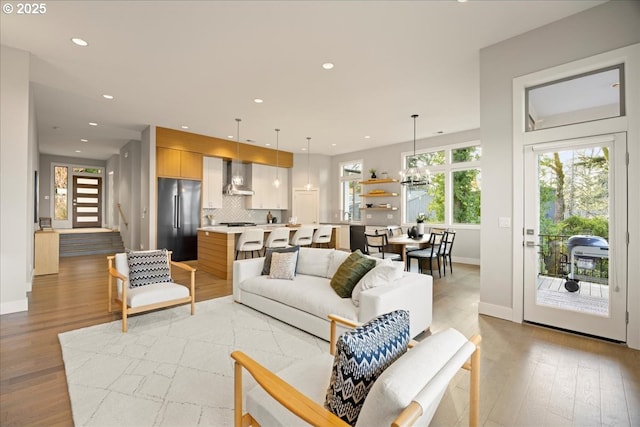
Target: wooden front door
[{"x": 87, "y": 202}]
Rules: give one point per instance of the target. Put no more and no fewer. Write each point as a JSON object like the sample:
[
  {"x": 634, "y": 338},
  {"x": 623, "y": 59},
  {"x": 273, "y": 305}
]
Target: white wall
[
  {"x": 129, "y": 194},
  {"x": 112, "y": 169},
  {"x": 597, "y": 30},
  {"x": 16, "y": 197}
]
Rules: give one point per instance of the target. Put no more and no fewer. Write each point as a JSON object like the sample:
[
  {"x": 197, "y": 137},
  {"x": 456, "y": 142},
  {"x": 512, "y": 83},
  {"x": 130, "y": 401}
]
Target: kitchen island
[{"x": 217, "y": 245}]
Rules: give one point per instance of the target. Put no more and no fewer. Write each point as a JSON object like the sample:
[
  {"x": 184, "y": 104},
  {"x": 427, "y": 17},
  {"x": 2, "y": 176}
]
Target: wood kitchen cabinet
[
  {"x": 266, "y": 196},
  {"x": 172, "y": 163},
  {"x": 211, "y": 182}
]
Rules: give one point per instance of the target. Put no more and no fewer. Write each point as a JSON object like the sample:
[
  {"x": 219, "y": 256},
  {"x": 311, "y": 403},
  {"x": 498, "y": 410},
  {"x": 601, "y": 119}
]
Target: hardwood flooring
[{"x": 530, "y": 375}]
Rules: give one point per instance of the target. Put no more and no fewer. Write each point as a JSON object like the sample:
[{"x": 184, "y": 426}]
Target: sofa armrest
[
  {"x": 245, "y": 269},
  {"x": 412, "y": 292}
]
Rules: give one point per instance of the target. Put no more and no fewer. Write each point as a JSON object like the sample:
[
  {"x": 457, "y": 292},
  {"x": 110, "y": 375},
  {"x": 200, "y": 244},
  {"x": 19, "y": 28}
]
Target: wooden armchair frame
[
  {"x": 316, "y": 414},
  {"x": 122, "y": 302}
]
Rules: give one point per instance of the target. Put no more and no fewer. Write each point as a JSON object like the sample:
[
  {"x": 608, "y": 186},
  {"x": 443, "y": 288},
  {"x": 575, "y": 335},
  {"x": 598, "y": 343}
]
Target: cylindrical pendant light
[
  {"x": 308, "y": 186},
  {"x": 276, "y": 183}
]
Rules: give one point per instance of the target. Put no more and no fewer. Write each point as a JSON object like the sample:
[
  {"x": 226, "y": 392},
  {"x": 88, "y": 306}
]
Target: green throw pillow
[{"x": 350, "y": 272}]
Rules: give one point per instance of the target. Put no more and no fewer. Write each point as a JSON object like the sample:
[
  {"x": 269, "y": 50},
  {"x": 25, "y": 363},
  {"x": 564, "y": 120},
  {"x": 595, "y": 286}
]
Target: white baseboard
[
  {"x": 472, "y": 261},
  {"x": 14, "y": 306},
  {"x": 493, "y": 310}
]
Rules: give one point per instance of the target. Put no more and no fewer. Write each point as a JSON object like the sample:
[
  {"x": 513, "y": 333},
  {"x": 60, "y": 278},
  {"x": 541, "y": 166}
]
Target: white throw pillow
[
  {"x": 385, "y": 273},
  {"x": 314, "y": 261},
  {"x": 283, "y": 265},
  {"x": 337, "y": 258}
]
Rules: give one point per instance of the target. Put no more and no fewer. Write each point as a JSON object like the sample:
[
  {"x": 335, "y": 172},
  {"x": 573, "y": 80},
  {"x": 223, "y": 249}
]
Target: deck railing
[{"x": 555, "y": 261}]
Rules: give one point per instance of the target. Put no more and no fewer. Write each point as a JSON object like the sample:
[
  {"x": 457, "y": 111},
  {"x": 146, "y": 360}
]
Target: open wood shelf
[
  {"x": 379, "y": 209},
  {"x": 379, "y": 195},
  {"x": 379, "y": 181}
]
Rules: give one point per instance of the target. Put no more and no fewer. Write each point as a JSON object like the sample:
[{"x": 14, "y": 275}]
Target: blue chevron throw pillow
[
  {"x": 148, "y": 267},
  {"x": 361, "y": 356}
]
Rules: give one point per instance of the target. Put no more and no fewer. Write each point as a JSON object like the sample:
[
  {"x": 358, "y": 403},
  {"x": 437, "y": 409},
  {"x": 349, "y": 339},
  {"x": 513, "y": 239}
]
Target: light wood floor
[{"x": 530, "y": 375}]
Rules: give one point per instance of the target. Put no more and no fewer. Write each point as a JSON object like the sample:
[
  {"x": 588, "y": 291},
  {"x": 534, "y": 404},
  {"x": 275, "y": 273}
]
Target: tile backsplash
[{"x": 233, "y": 210}]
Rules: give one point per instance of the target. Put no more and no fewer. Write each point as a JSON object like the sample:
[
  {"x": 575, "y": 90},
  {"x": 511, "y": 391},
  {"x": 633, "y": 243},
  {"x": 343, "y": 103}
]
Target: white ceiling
[{"x": 202, "y": 63}]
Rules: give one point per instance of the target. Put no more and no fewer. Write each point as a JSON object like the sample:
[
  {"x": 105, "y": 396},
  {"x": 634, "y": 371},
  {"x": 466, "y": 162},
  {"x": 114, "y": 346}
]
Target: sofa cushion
[
  {"x": 385, "y": 273},
  {"x": 148, "y": 267},
  {"x": 283, "y": 265},
  {"x": 309, "y": 294},
  {"x": 314, "y": 261},
  {"x": 427, "y": 367},
  {"x": 361, "y": 356},
  {"x": 266, "y": 267},
  {"x": 337, "y": 258},
  {"x": 350, "y": 272}
]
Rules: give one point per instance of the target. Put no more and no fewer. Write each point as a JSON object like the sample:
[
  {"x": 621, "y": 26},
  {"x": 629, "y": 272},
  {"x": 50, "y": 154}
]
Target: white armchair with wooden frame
[
  {"x": 407, "y": 392},
  {"x": 152, "y": 289}
]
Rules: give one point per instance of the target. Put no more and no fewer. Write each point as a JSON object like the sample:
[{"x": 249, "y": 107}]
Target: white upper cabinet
[
  {"x": 266, "y": 195},
  {"x": 211, "y": 182}
]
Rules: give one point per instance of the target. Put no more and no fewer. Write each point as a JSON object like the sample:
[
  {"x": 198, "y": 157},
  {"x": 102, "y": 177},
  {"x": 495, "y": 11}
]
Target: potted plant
[
  {"x": 420, "y": 220},
  {"x": 372, "y": 171}
]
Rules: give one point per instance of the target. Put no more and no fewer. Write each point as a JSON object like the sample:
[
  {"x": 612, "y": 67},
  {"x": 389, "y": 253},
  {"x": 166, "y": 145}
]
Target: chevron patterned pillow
[
  {"x": 148, "y": 267},
  {"x": 361, "y": 356}
]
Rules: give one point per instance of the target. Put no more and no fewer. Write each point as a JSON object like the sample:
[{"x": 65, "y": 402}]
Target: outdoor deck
[{"x": 591, "y": 298}]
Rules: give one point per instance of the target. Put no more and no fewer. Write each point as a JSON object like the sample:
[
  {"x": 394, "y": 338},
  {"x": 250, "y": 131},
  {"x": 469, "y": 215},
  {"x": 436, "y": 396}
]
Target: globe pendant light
[
  {"x": 276, "y": 183},
  {"x": 414, "y": 175},
  {"x": 308, "y": 186},
  {"x": 237, "y": 179}
]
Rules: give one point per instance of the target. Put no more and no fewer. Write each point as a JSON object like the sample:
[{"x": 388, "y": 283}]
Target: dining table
[{"x": 404, "y": 241}]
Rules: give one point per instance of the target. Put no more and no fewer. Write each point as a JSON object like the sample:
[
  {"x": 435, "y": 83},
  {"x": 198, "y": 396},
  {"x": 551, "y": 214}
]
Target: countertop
[{"x": 223, "y": 229}]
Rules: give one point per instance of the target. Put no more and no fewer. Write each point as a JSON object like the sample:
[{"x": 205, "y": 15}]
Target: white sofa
[{"x": 305, "y": 301}]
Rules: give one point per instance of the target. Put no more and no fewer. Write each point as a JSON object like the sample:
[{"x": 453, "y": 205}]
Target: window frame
[
  {"x": 448, "y": 168},
  {"x": 348, "y": 178}
]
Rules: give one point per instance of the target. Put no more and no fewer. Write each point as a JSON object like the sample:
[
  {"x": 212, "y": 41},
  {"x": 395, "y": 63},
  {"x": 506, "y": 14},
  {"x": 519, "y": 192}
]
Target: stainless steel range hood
[{"x": 229, "y": 188}]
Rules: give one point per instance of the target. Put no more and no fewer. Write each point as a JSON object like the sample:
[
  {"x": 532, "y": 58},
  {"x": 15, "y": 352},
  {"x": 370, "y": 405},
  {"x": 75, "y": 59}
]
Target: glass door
[{"x": 575, "y": 244}]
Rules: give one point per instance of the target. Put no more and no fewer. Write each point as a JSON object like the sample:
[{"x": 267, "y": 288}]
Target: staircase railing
[{"x": 122, "y": 216}]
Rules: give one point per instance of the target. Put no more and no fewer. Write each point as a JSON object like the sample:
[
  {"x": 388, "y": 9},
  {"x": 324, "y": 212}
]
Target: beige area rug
[{"x": 171, "y": 368}]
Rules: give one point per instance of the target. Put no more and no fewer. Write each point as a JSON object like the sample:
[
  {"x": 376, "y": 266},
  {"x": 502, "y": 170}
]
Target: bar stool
[
  {"x": 278, "y": 238},
  {"x": 302, "y": 237},
  {"x": 322, "y": 236},
  {"x": 250, "y": 240}
]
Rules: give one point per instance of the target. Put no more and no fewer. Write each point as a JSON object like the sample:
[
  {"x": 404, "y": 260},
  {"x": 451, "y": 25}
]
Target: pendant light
[
  {"x": 237, "y": 179},
  {"x": 308, "y": 186},
  {"x": 276, "y": 183},
  {"x": 414, "y": 175}
]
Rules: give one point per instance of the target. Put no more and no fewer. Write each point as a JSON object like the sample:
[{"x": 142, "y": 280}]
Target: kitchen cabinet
[
  {"x": 266, "y": 196},
  {"x": 172, "y": 163},
  {"x": 211, "y": 182}
]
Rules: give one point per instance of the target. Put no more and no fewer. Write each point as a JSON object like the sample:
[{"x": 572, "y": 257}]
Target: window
[
  {"x": 350, "y": 190},
  {"x": 61, "y": 184},
  {"x": 453, "y": 195}
]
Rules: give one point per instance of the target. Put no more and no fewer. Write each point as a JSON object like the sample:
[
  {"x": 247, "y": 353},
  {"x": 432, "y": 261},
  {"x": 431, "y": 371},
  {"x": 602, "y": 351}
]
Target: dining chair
[
  {"x": 446, "y": 248},
  {"x": 432, "y": 253},
  {"x": 380, "y": 245}
]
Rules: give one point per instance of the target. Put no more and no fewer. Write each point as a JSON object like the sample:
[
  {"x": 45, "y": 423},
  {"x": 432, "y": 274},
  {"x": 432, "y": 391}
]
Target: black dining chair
[
  {"x": 446, "y": 248},
  {"x": 432, "y": 253}
]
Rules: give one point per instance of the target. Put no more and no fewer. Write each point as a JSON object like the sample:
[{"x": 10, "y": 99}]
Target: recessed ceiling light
[
  {"x": 367, "y": 137},
  {"x": 304, "y": 148},
  {"x": 78, "y": 151},
  {"x": 106, "y": 96},
  {"x": 258, "y": 101},
  {"x": 184, "y": 127},
  {"x": 327, "y": 65},
  {"x": 79, "y": 42},
  {"x": 230, "y": 136},
  {"x": 84, "y": 140},
  {"x": 268, "y": 144},
  {"x": 93, "y": 124},
  {"x": 333, "y": 145},
  {"x": 462, "y": 1}
]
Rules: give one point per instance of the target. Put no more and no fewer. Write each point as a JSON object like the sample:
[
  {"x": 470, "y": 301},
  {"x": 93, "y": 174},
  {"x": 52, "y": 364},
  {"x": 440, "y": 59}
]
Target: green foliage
[{"x": 573, "y": 225}]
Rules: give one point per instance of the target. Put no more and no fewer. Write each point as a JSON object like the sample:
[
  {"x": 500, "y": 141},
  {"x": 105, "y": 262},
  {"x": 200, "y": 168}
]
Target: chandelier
[{"x": 414, "y": 174}]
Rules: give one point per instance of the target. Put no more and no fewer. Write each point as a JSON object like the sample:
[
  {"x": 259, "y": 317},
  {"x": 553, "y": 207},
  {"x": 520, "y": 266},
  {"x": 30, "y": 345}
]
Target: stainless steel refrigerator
[{"x": 179, "y": 217}]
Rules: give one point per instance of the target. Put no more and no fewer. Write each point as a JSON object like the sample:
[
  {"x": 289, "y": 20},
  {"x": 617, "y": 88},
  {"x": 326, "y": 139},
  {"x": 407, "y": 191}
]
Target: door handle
[
  {"x": 178, "y": 210},
  {"x": 175, "y": 211},
  {"x": 530, "y": 244}
]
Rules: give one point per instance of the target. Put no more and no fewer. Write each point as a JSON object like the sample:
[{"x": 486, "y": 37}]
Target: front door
[
  {"x": 87, "y": 202},
  {"x": 575, "y": 235}
]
